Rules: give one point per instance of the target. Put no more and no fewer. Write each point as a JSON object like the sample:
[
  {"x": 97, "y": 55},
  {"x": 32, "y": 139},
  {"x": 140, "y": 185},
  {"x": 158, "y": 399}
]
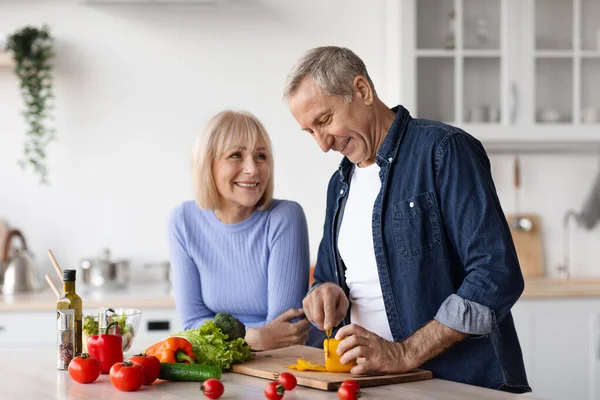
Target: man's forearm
[{"x": 429, "y": 341}]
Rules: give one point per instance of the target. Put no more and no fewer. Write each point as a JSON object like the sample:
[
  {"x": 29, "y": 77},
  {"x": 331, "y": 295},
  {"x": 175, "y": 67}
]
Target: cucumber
[{"x": 188, "y": 372}]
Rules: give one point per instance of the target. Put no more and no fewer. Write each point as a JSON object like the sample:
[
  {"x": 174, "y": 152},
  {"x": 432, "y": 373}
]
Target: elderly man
[{"x": 416, "y": 261}]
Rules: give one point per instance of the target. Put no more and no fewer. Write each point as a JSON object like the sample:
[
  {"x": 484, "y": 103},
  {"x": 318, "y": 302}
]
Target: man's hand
[
  {"x": 326, "y": 306},
  {"x": 380, "y": 356},
  {"x": 280, "y": 332}
]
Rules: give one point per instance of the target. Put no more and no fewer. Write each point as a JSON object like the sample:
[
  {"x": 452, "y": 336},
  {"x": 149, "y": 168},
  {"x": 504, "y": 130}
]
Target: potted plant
[{"x": 32, "y": 51}]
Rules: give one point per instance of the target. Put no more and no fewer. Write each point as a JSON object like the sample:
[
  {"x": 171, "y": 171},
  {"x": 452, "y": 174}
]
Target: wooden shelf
[{"x": 5, "y": 60}]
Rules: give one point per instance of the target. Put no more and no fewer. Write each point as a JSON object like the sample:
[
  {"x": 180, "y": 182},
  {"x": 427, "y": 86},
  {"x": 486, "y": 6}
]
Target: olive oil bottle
[{"x": 71, "y": 301}]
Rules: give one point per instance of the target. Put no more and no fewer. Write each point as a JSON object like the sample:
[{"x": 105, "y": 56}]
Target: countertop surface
[
  {"x": 543, "y": 287},
  {"x": 159, "y": 295},
  {"x": 134, "y": 296},
  {"x": 29, "y": 374}
]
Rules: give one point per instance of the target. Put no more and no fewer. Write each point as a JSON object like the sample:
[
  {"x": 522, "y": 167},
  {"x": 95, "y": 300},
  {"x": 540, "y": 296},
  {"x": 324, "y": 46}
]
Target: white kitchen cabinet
[
  {"x": 504, "y": 70},
  {"x": 560, "y": 339},
  {"x": 24, "y": 330},
  {"x": 156, "y": 324},
  {"x": 38, "y": 329}
]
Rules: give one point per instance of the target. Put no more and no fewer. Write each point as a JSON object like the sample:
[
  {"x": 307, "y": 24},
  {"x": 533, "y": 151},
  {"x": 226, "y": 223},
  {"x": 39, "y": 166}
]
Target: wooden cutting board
[
  {"x": 267, "y": 363},
  {"x": 529, "y": 246}
]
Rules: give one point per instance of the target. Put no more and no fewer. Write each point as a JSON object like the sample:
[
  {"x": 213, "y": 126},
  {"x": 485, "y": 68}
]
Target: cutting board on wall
[
  {"x": 529, "y": 245},
  {"x": 268, "y": 363}
]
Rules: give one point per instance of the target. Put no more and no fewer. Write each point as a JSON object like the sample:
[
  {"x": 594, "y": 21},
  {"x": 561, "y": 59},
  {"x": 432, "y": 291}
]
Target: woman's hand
[{"x": 280, "y": 332}]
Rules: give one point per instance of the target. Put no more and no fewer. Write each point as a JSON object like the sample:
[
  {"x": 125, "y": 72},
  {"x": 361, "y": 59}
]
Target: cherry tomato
[
  {"x": 287, "y": 380},
  {"x": 151, "y": 366},
  {"x": 84, "y": 369},
  {"x": 127, "y": 376},
  {"x": 212, "y": 388},
  {"x": 352, "y": 384},
  {"x": 274, "y": 391},
  {"x": 348, "y": 393}
]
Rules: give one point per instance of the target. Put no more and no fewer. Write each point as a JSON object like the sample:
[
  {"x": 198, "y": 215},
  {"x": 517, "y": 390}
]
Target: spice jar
[{"x": 65, "y": 338}]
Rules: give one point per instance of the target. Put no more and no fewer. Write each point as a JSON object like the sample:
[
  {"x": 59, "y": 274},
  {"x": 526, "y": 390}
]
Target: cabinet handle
[
  {"x": 158, "y": 325},
  {"x": 514, "y": 91}
]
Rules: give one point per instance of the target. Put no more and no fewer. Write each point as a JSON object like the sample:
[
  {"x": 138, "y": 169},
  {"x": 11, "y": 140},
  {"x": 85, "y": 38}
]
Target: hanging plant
[{"x": 32, "y": 51}]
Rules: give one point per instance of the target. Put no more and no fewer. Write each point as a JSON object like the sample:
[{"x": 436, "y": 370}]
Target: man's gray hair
[{"x": 332, "y": 68}]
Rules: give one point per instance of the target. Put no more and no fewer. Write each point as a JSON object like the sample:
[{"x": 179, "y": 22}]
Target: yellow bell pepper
[
  {"x": 332, "y": 359},
  {"x": 305, "y": 365}
]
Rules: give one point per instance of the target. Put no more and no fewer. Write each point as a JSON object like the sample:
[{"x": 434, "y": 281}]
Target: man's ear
[{"x": 363, "y": 90}]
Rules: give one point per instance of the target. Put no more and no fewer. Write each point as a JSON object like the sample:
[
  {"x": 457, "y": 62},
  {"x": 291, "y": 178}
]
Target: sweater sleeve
[
  {"x": 289, "y": 259},
  {"x": 184, "y": 275}
]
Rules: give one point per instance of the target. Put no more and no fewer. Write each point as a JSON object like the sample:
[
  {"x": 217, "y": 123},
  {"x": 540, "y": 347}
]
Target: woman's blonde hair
[{"x": 226, "y": 130}]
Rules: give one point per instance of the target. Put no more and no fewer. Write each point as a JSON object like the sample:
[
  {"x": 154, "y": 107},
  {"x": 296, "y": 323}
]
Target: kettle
[{"x": 17, "y": 266}]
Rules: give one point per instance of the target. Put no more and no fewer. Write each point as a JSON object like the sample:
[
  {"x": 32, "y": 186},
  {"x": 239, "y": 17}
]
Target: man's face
[{"x": 335, "y": 124}]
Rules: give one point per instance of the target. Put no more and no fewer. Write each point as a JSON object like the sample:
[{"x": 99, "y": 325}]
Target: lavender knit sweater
[{"x": 255, "y": 269}]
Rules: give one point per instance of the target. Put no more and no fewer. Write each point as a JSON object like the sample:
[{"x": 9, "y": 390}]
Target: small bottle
[
  {"x": 71, "y": 301},
  {"x": 65, "y": 338}
]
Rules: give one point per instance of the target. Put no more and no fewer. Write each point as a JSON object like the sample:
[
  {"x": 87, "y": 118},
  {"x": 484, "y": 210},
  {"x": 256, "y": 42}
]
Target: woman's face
[{"x": 241, "y": 176}]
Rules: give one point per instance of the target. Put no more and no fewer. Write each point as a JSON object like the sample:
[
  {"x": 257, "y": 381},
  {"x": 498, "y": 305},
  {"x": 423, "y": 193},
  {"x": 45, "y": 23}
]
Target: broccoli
[{"x": 230, "y": 326}]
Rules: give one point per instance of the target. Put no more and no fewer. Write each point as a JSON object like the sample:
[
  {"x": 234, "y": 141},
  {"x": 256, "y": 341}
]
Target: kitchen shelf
[
  {"x": 5, "y": 60},
  {"x": 434, "y": 53},
  {"x": 554, "y": 54},
  {"x": 538, "y": 147}
]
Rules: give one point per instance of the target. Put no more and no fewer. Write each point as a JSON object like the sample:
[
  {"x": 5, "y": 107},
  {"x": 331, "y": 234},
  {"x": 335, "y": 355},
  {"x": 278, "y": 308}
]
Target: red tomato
[
  {"x": 84, "y": 369},
  {"x": 352, "y": 384},
  {"x": 127, "y": 376},
  {"x": 348, "y": 393},
  {"x": 151, "y": 366},
  {"x": 212, "y": 388},
  {"x": 274, "y": 391},
  {"x": 287, "y": 380}
]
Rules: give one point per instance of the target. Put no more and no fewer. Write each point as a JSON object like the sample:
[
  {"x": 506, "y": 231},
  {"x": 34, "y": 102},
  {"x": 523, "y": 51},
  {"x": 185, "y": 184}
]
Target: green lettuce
[{"x": 212, "y": 347}]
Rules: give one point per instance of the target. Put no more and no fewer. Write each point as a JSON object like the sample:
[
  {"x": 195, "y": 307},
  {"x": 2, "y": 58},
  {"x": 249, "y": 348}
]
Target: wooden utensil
[
  {"x": 55, "y": 264},
  {"x": 52, "y": 286},
  {"x": 528, "y": 244},
  {"x": 267, "y": 363},
  {"x": 520, "y": 222}
]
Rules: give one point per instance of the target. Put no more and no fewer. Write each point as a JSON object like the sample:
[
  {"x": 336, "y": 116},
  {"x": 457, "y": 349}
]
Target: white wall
[{"x": 134, "y": 84}]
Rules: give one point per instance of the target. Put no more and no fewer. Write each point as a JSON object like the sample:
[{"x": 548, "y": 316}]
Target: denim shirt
[{"x": 443, "y": 249}]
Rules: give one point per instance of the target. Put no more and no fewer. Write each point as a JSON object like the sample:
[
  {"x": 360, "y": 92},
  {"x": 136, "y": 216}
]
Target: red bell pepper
[{"x": 106, "y": 348}]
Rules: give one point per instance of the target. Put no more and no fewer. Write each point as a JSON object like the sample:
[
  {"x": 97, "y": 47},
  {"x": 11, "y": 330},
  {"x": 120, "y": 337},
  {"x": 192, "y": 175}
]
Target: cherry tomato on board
[
  {"x": 287, "y": 380},
  {"x": 274, "y": 391},
  {"x": 151, "y": 366},
  {"x": 127, "y": 376},
  {"x": 84, "y": 369},
  {"x": 212, "y": 388}
]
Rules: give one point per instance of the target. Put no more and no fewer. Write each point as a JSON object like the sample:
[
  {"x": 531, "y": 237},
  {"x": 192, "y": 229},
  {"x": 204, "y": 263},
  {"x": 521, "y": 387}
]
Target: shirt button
[
  {"x": 390, "y": 159},
  {"x": 411, "y": 204},
  {"x": 342, "y": 191}
]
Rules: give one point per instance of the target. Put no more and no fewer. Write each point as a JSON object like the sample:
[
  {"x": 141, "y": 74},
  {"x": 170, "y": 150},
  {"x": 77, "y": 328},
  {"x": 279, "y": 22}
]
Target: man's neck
[{"x": 384, "y": 118}]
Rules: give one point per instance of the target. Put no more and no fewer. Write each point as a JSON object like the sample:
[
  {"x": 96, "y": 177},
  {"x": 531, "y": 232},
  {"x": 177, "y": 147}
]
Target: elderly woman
[{"x": 236, "y": 249}]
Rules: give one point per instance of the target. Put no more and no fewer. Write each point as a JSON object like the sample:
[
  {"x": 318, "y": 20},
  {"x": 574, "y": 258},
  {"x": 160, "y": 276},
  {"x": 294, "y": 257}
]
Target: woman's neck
[{"x": 233, "y": 215}]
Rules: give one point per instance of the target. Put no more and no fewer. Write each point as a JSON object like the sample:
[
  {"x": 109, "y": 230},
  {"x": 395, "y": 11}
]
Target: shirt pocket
[{"x": 416, "y": 225}]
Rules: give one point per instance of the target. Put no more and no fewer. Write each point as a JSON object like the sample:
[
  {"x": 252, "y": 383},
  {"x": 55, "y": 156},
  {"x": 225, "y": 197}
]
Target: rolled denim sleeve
[
  {"x": 477, "y": 228},
  {"x": 465, "y": 316}
]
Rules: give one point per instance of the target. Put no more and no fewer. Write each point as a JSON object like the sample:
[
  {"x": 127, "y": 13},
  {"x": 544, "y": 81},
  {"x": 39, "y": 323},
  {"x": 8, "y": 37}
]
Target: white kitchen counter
[
  {"x": 33, "y": 375},
  {"x": 158, "y": 295},
  {"x": 135, "y": 296}
]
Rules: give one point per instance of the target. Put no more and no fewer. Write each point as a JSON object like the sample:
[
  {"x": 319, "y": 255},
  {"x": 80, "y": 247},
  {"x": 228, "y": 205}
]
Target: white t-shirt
[{"x": 355, "y": 245}]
